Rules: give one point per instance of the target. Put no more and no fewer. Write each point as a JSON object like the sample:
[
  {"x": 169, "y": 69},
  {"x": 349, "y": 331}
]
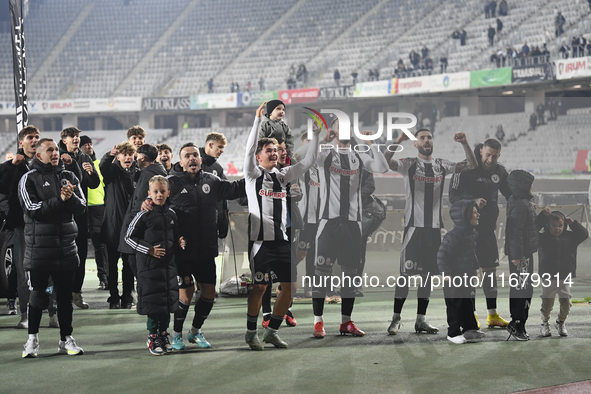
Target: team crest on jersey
[
  {"x": 206, "y": 189},
  {"x": 408, "y": 264},
  {"x": 301, "y": 245},
  {"x": 214, "y": 172},
  {"x": 321, "y": 260},
  {"x": 495, "y": 178},
  {"x": 259, "y": 276}
]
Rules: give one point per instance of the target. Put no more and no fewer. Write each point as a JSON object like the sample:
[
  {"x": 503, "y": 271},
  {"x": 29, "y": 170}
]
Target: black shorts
[
  {"x": 308, "y": 237},
  {"x": 487, "y": 250},
  {"x": 270, "y": 261},
  {"x": 202, "y": 270},
  {"x": 419, "y": 251},
  {"x": 340, "y": 241}
]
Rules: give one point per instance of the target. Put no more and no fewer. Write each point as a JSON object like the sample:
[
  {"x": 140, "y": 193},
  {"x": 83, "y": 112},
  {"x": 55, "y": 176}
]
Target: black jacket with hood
[
  {"x": 50, "y": 230},
  {"x": 118, "y": 190},
  {"x": 558, "y": 255},
  {"x": 87, "y": 181},
  {"x": 157, "y": 283},
  {"x": 457, "y": 253},
  {"x": 521, "y": 234},
  {"x": 195, "y": 202},
  {"x": 480, "y": 183},
  {"x": 211, "y": 165},
  {"x": 10, "y": 177}
]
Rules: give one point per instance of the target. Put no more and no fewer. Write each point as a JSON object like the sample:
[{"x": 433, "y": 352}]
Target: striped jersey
[
  {"x": 309, "y": 205},
  {"x": 340, "y": 177},
  {"x": 423, "y": 182},
  {"x": 266, "y": 191}
]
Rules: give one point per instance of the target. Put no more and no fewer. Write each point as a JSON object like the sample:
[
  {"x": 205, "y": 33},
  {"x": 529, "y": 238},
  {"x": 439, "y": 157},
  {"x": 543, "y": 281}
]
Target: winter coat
[
  {"x": 118, "y": 190},
  {"x": 521, "y": 234},
  {"x": 9, "y": 180},
  {"x": 138, "y": 197},
  {"x": 87, "y": 181},
  {"x": 157, "y": 283},
  {"x": 195, "y": 201},
  {"x": 211, "y": 165},
  {"x": 457, "y": 253},
  {"x": 277, "y": 129},
  {"x": 558, "y": 255},
  {"x": 50, "y": 230},
  {"x": 480, "y": 183}
]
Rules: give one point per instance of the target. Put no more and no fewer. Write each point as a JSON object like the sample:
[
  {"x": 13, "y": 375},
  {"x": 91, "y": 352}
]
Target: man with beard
[
  {"x": 424, "y": 179},
  {"x": 96, "y": 213},
  {"x": 82, "y": 166},
  {"x": 482, "y": 185},
  {"x": 194, "y": 196}
]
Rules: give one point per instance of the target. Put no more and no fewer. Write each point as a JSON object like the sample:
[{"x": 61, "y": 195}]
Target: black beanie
[
  {"x": 271, "y": 105},
  {"x": 85, "y": 140}
]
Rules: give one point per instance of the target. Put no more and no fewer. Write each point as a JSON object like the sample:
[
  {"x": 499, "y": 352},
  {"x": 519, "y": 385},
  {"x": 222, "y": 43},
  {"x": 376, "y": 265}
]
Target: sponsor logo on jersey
[
  {"x": 428, "y": 179},
  {"x": 341, "y": 171},
  {"x": 270, "y": 193},
  {"x": 315, "y": 184}
]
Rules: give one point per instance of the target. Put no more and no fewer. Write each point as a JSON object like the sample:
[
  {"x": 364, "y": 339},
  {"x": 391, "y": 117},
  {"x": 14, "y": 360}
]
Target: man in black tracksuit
[
  {"x": 82, "y": 166},
  {"x": 118, "y": 169},
  {"x": 50, "y": 197},
  {"x": 194, "y": 196},
  {"x": 11, "y": 173},
  {"x": 482, "y": 185},
  {"x": 521, "y": 242},
  {"x": 146, "y": 161}
]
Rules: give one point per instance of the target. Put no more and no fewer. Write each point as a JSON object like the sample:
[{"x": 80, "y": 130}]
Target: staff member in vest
[
  {"x": 50, "y": 197},
  {"x": 96, "y": 214}
]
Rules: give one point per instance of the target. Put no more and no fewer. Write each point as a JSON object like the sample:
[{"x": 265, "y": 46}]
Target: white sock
[
  {"x": 174, "y": 334},
  {"x": 420, "y": 318},
  {"x": 34, "y": 336},
  {"x": 266, "y": 314},
  {"x": 492, "y": 311},
  {"x": 195, "y": 330},
  {"x": 345, "y": 319},
  {"x": 318, "y": 319},
  {"x": 396, "y": 316}
]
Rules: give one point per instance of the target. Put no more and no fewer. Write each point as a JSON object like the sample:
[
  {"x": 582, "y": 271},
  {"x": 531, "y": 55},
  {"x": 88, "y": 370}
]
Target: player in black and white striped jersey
[
  {"x": 269, "y": 246},
  {"x": 338, "y": 237},
  {"x": 424, "y": 179}
]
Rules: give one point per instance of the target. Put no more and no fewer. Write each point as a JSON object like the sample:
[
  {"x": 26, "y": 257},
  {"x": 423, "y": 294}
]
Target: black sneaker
[
  {"x": 126, "y": 302},
  {"x": 165, "y": 342},
  {"x": 103, "y": 285},
  {"x": 114, "y": 303},
  {"x": 516, "y": 332},
  {"x": 11, "y": 307}
]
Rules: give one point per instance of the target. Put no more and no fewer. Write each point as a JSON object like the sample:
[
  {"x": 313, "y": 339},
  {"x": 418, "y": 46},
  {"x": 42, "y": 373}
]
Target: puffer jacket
[
  {"x": 457, "y": 253},
  {"x": 9, "y": 179},
  {"x": 157, "y": 283},
  {"x": 118, "y": 190},
  {"x": 558, "y": 255},
  {"x": 211, "y": 165},
  {"x": 480, "y": 183},
  {"x": 138, "y": 197},
  {"x": 195, "y": 202},
  {"x": 277, "y": 129},
  {"x": 521, "y": 234},
  {"x": 87, "y": 181},
  {"x": 50, "y": 229}
]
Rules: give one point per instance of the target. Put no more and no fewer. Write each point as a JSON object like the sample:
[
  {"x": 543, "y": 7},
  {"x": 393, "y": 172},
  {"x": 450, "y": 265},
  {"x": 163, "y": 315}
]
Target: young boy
[
  {"x": 273, "y": 126},
  {"x": 165, "y": 156},
  {"x": 457, "y": 261},
  {"x": 136, "y": 135},
  {"x": 154, "y": 236},
  {"x": 521, "y": 242},
  {"x": 558, "y": 263}
]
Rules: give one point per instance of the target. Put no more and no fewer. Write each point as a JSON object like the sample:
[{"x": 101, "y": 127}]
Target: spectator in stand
[
  {"x": 456, "y": 34},
  {"x": 337, "y": 77},
  {"x": 540, "y": 110},
  {"x": 487, "y": 9},
  {"x": 494, "y": 58},
  {"x": 261, "y": 83},
  {"x": 589, "y": 4},
  {"x": 376, "y": 72},
  {"x": 425, "y": 52},
  {"x": 564, "y": 50},
  {"x": 533, "y": 121},
  {"x": 370, "y": 75},
  {"x": 588, "y": 46},
  {"x": 463, "y": 37},
  {"x": 545, "y": 53},
  {"x": 525, "y": 49},
  {"x": 428, "y": 63},
  {"x": 354, "y": 76},
  {"x": 248, "y": 87},
  {"x": 493, "y": 9},
  {"x": 499, "y": 26},
  {"x": 237, "y": 87},
  {"x": 582, "y": 42},
  {"x": 503, "y": 8},
  {"x": 574, "y": 44},
  {"x": 443, "y": 63},
  {"x": 210, "y": 85},
  {"x": 491, "y": 35},
  {"x": 500, "y": 134},
  {"x": 232, "y": 87},
  {"x": 559, "y": 23}
]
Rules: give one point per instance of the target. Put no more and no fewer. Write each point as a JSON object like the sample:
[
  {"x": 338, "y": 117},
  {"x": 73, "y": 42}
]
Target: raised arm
[
  {"x": 470, "y": 162},
  {"x": 298, "y": 169},
  {"x": 393, "y": 163},
  {"x": 250, "y": 160}
]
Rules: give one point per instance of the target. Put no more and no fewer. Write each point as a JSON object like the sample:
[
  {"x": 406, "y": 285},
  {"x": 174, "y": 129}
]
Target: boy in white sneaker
[
  {"x": 557, "y": 255},
  {"x": 457, "y": 263},
  {"x": 153, "y": 234}
]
